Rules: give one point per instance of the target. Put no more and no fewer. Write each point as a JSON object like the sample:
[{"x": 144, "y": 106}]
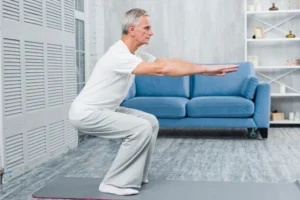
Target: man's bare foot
[{"x": 117, "y": 191}]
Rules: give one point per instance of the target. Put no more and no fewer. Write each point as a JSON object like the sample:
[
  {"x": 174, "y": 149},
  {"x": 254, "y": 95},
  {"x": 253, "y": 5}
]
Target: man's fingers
[
  {"x": 230, "y": 70},
  {"x": 227, "y": 67},
  {"x": 221, "y": 73},
  {"x": 231, "y": 67},
  {"x": 222, "y": 70}
]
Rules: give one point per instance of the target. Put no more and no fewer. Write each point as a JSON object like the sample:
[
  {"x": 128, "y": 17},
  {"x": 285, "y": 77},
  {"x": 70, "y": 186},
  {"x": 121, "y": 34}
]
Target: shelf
[
  {"x": 272, "y": 46},
  {"x": 285, "y": 122},
  {"x": 273, "y": 40},
  {"x": 277, "y": 67},
  {"x": 285, "y": 95},
  {"x": 274, "y": 12}
]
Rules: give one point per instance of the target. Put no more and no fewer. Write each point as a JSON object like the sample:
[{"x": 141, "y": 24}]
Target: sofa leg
[
  {"x": 252, "y": 133},
  {"x": 263, "y": 132},
  {"x": 250, "y": 129}
]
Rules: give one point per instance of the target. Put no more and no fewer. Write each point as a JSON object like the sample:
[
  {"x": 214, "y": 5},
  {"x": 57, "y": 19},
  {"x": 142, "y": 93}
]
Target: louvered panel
[
  {"x": 69, "y": 16},
  {"x": 10, "y": 9},
  {"x": 33, "y": 12},
  {"x": 12, "y": 77},
  {"x": 70, "y": 73},
  {"x": 53, "y": 14},
  {"x": 55, "y": 75},
  {"x": 72, "y": 133},
  {"x": 34, "y": 76},
  {"x": 56, "y": 135},
  {"x": 36, "y": 142},
  {"x": 14, "y": 153}
]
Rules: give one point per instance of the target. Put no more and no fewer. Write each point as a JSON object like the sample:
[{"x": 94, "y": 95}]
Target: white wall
[
  {"x": 198, "y": 31},
  {"x": 96, "y": 30}
]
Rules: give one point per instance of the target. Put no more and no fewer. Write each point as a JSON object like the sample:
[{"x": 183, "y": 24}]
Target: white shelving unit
[
  {"x": 272, "y": 12},
  {"x": 277, "y": 67},
  {"x": 285, "y": 122},
  {"x": 275, "y": 39},
  {"x": 285, "y": 95},
  {"x": 262, "y": 17}
]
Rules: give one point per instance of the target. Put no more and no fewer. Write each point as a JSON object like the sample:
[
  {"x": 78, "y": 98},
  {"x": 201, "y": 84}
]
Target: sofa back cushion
[
  {"x": 164, "y": 86},
  {"x": 228, "y": 85}
]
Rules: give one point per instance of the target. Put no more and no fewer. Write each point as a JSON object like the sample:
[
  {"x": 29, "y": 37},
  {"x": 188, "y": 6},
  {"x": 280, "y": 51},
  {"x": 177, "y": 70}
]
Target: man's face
[{"x": 142, "y": 31}]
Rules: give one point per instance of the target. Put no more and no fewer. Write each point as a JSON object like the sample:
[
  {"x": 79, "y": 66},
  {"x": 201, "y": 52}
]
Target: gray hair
[{"x": 132, "y": 18}]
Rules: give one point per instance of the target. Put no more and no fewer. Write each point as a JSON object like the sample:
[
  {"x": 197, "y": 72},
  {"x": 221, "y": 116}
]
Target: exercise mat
[{"x": 87, "y": 189}]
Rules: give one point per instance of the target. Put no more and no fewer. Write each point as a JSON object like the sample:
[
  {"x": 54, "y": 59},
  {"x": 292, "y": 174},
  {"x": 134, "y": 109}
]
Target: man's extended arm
[{"x": 178, "y": 67}]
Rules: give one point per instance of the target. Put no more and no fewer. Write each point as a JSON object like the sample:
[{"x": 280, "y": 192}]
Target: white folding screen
[{"x": 38, "y": 82}]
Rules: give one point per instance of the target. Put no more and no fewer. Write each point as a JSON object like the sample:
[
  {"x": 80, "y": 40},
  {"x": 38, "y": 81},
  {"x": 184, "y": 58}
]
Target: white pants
[{"x": 139, "y": 131}]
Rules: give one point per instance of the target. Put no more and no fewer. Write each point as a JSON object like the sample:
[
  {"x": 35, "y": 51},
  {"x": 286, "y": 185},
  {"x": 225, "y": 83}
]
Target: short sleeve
[
  {"x": 145, "y": 56},
  {"x": 126, "y": 63}
]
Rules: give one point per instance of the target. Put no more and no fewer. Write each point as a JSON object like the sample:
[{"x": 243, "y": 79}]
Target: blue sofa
[{"x": 237, "y": 100}]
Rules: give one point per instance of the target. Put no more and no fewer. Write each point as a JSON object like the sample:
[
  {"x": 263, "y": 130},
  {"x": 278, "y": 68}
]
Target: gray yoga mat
[{"x": 87, "y": 189}]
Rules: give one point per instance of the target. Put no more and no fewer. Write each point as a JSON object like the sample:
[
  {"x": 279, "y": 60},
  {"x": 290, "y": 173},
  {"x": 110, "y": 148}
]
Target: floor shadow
[
  {"x": 201, "y": 133},
  {"x": 209, "y": 133}
]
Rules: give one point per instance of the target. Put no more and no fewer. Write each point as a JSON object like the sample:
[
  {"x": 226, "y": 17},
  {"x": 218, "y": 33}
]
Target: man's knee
[
  {"x": 144, "y": 128},
  {"x": 153, "y": 121}
]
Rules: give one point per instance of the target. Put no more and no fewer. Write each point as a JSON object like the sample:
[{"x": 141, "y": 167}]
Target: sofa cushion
[
  {"x": 249, "y": 87},
  {"x": 161, "y": 107},
  {"x": 228, "y": 85},
  {"x": 220, "y": 107},
  {"x": 164, "y": 86}
]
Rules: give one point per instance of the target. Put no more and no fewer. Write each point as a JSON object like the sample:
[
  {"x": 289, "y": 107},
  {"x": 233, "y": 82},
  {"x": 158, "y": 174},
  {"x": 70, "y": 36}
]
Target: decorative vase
[
  {"x": 258, "y": 7},
  {"x": 290, "y": 35},
  {"x": 273, "y": 7}
]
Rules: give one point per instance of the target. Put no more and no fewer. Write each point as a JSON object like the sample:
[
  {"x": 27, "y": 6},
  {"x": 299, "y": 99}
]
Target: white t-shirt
[{"x": 111, "y": 78}]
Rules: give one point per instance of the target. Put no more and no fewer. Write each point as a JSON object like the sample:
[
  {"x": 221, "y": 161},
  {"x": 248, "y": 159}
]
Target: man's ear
[{"x": 131, "y": 29}]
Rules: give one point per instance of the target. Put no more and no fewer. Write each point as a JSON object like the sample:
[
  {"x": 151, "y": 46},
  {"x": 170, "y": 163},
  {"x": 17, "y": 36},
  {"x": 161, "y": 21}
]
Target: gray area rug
[{"x": 200, "y": 155}]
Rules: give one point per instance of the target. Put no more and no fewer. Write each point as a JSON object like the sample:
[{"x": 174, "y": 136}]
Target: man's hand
[
  {"x": 178, "y": 67},
  {"x": 219, "y": 70}
]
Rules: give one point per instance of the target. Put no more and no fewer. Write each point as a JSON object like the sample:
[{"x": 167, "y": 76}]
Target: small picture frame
[{"x": 258, "y": 32}]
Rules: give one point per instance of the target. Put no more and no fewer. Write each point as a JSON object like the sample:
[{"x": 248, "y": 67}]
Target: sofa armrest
[
  {"x": 262, "y": 103},
  {"x": 132, "y": 92}
]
